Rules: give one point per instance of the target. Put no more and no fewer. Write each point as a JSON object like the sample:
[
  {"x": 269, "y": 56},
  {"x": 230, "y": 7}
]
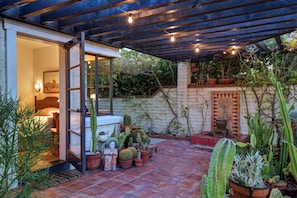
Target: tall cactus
[
  {"x": 93, "y": 123},
  {"x": 288, "y": 132},
  {"x": 214, "y": 184},
  {"x": 127, "y": 119}
]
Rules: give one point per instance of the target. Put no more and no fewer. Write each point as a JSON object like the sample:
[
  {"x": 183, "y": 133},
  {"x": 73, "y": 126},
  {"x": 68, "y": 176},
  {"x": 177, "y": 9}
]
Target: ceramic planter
[
  {"x": 125, "y": 163},
  {"x": 93, "y": 161},
  {"x": 240, "y": 191},
  {"x": 145, "y": 155},
  {"x": 211, "y": 81},
  {"x": 138, "y": 162}
]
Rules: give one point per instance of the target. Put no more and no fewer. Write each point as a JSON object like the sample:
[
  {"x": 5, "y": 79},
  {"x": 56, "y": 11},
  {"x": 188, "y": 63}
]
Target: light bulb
[
  {"x": 130, "y": 20},
  {"x": 197, "y": 49},
  {"x": 172, "y": 38},
  {"x": 233, "y": 51}
]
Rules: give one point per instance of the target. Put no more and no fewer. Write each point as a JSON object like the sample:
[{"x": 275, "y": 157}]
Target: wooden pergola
[{"x": 214, "y": 26}]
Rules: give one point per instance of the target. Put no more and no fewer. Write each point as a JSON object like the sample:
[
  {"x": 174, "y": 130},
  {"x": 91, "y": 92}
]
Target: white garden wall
[
  {"x": 159, "y": 111},
  {"x": 197, "y": 100}
]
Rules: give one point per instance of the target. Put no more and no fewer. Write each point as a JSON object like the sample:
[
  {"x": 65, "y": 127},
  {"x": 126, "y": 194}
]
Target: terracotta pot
[
  {"x": 201, "y": 82},
  {"x": 123, "y": 127},
  {"x": 145, "y": 155},
  {"x": 93, "y": 161},
  {"x": 211, "y": 81},
  {"x": 225, "y": 81},
  {"x": 125, "y": 163},
  {"x": 240, "y": 191},
  {"x": 138, "y": 162}
]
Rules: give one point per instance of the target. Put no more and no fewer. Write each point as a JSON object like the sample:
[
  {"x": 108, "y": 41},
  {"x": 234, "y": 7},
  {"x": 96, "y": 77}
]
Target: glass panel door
[{"x": 76, "y": 109}]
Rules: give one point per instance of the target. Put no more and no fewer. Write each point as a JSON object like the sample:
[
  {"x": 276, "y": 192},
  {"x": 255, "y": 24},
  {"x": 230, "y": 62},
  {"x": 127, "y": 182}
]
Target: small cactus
[
  {"x": 127, "y": 119},
  {"x": 133, "y": 150},
  {"x": 130, "y": 142},
  {"x": 126, "y": 154}
]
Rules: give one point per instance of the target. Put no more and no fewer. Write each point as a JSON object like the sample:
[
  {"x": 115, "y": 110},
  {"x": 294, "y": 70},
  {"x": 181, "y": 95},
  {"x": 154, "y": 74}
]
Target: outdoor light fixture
[
  {"x": 197, "y": 49},
  {"x": 130, "y": 20},
  {"x": 172, "y": 38},
  {"x": 224, "y": 52},
  {"x": 233, "y": 51},
  {"x": 37, "y": 87}
]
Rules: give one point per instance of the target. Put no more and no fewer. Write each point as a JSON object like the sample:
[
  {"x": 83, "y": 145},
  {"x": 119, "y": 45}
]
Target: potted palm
[{"x": 93, "y": 156}]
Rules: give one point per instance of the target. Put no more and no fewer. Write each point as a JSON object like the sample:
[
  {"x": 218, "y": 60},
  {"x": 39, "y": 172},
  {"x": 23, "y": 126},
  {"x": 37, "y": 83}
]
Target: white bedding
[{"x": 45, "y": 120}]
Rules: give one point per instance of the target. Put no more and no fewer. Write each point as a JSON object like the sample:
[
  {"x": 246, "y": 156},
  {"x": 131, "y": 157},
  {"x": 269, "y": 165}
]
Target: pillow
[{"x": 48, "y": 111}]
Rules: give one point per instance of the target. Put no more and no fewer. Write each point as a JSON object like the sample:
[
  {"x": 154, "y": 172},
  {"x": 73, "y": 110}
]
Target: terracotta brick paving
[{"x": 175, "y": 171}]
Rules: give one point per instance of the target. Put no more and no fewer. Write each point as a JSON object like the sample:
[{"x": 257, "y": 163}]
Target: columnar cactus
[
  {"x": 214, "y": 184},
  {"x": 93, "y": 123},
  {"x": 127, "y": 119}
]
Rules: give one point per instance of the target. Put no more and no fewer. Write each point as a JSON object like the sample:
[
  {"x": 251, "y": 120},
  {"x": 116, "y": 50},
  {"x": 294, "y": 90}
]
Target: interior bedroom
[{"x": 38, "y": 85}]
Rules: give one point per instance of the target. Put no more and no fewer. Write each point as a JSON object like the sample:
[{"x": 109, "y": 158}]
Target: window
[{"x": 98, "y": 82}]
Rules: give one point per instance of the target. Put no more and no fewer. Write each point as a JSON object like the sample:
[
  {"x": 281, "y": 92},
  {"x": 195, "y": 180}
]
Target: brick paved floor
[{"x": 175, "y": 171}]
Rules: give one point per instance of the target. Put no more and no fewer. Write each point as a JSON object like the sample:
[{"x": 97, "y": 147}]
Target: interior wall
[
  {"x": 31, "y": 63},
  {"x": 45, "y": 59},
  {"x": 25, "y": 74}
]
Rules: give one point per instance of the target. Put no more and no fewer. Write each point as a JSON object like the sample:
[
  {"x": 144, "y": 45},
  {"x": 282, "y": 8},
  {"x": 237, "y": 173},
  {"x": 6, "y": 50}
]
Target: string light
[
  {"x": 197, "y": 49},
  {"x": 233, "y": 52},
  {"x": 130, "y": 19},
  {"x": 172, "y": 38}
]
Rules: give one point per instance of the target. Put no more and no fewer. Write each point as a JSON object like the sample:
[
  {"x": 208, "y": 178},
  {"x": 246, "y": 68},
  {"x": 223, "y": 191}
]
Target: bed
[{"x": 47, "y": 110}]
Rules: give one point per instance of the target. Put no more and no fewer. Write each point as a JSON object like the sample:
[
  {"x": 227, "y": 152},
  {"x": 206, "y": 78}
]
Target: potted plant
[
  {"x": 211, "y": 70},
  {"x": 93, "y": 156},
  {"x": 215, "y": 183},
  {"x": 143, "y": 145},
  {"x": 246, "y": 176},
  {"x": 125, "y": 158},
  {"x": 138, "y": 161},
  {"x": 127, "y": 123},
  {"x": 226, "y": 67}
]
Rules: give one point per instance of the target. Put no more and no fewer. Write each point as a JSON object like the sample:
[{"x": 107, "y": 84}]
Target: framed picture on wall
[{"x": 51, "y": 81}]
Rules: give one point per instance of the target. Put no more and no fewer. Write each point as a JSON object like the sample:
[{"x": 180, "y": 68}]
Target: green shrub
[{"x": 23, "y": 140}]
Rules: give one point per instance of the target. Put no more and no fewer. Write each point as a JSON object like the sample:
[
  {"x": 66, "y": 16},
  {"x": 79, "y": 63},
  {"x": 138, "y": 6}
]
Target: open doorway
[{"x": 38, "y": 86}]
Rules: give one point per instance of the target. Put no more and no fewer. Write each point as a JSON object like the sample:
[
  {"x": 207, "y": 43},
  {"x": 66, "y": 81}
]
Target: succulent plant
[
  {"x": 126, "y": 154},
  {"x": 247, "y": 170},
  {"x": 127, "y": 119},
  {"x": 134, "y": 151},
  {"x": 130, "y": 142}
]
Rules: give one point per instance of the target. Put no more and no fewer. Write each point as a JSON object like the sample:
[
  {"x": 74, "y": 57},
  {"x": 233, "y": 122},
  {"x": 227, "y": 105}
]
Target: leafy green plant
[
  {"x": 262, "y": 129},
  {"x": 214, "y": 184},
  {"x": 23, "y": 139}
]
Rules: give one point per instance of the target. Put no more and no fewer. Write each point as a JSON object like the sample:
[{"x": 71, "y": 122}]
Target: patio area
[{"x": 176, "y": 170}]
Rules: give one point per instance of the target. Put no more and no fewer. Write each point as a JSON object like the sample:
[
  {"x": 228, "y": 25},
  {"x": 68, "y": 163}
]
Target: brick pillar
[{"x": 183, "y": 80}]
